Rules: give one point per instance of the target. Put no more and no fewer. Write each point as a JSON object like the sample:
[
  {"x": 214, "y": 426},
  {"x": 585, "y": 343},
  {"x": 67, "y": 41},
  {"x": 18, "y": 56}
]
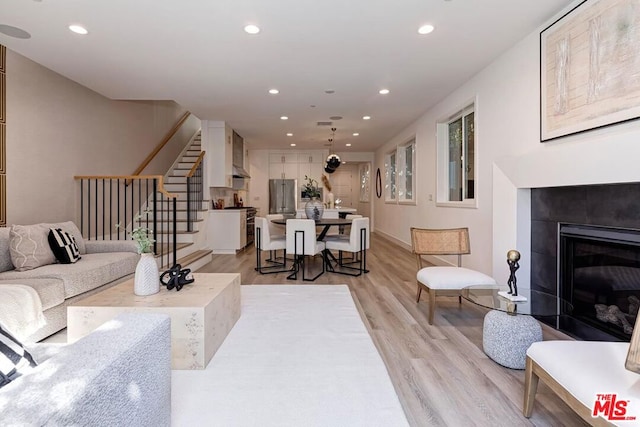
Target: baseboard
[{"x": 432, "y": 259}]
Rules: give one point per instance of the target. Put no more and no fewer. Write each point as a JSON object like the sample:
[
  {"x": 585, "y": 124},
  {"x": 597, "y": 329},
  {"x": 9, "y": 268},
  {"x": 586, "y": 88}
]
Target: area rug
[{"x": 298, "y": 356}]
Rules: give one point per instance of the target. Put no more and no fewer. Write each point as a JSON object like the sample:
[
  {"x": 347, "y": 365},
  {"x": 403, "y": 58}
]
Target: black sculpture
[
  {"x": 176, "y": 277},
  {"x": 513, "y": 257}
]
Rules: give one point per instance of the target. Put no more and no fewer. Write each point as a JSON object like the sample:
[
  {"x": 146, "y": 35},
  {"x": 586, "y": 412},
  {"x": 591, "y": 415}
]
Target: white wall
[
  {"x": 57, "y": 128},
  {"x": 511, "y": 160}
]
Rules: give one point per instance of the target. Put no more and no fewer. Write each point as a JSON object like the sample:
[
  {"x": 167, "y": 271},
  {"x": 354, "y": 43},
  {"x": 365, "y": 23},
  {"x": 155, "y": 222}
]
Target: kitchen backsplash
[{"x": 226, "y": 194}]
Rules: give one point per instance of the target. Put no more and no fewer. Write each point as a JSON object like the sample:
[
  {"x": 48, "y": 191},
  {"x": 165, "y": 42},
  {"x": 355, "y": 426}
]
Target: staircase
[{"x": 189, "y": 242}]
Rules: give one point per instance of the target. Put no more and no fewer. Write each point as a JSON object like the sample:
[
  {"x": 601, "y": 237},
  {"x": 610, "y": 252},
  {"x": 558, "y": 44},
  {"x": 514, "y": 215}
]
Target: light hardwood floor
[{"x": 440, "y": 372}]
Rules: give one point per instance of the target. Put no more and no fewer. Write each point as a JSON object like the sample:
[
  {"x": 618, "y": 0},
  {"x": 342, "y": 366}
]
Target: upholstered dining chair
[
  {"x": 356, "y": 243},
  {"x": 264, "y": 241},
  {"x": 439, "y": 280},
  {"x": 301, "y": 242}
]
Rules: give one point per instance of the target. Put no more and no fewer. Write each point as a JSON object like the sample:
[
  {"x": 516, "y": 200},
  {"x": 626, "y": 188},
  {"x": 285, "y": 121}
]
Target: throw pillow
[
  {"x": 29, "y": 248},
  {"x": 15, "y": 360},
  {"x": 64, "y": 246}
]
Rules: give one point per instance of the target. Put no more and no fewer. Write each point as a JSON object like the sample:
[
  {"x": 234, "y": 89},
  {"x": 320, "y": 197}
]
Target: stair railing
[
  {"x": 109, "y": 200},
  {"x": 195, "y": 191}
]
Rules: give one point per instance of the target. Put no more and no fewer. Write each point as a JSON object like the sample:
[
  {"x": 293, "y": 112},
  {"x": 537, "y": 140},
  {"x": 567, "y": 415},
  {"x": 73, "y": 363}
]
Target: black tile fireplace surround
[{"x": 594, "y": 207}]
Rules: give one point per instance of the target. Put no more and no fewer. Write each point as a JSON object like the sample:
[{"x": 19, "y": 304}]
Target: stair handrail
[
  {"x": 196, "y": 164},
  {"x": 195, "y": 190},
  {"x": 160, "y": 179},
  {"x": 103, "y": 200},
  {"x": 162, "y": 143}
]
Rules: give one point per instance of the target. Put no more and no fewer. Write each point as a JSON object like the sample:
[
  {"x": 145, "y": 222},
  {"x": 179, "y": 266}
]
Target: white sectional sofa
[
  {"x": 103, "y": 264},
  {"x": 119, "y": 375}
]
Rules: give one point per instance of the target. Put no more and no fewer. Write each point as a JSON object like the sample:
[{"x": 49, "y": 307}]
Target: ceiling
[{"x": 196, "y": 53}]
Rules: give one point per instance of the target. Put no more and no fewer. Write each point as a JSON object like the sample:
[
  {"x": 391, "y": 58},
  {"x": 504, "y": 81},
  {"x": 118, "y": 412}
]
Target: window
[
  {"x": 400, "y": 181},
  {"x": 365, "y": 182},
  {"x": 406, "y": 176},
  {"x": 457, "y": 159},
  {"x": 390, "y": 177}
]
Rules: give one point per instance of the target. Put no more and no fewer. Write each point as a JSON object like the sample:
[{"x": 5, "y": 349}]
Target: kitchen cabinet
[
  {"x": 283, "y": 166},
  {"x": 217, "y": 139},
  {"x": 310, "y": 164},
  {"x": 227, "y": 230}
]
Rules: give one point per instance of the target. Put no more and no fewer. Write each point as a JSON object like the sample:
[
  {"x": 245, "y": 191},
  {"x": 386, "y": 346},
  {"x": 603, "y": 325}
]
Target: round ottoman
[{"x": 506, "y": 337}]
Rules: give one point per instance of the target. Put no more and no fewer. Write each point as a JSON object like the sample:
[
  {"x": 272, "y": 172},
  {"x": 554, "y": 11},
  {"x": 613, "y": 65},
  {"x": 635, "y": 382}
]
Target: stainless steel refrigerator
[{"x": 283, "y": 196}]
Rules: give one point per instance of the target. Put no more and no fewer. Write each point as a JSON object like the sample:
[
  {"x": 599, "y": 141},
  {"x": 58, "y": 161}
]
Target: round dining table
[{"x": 323, "y": 222}]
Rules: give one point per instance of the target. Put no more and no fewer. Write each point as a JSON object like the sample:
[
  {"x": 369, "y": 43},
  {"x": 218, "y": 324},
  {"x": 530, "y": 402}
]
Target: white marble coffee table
[{"x": 202, "y": 314}]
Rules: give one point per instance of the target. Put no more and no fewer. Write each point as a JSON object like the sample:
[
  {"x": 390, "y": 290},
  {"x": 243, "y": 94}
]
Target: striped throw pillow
[
  {"x": 14, "y": 359},
  {"x": 64, "y": 246}
]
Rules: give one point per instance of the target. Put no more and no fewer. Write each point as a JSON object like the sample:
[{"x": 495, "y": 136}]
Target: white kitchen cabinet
[
  {"x": 227, "y": 230},
  {"x": 283, "y": 166},
  {"x": 310, "y": 164},
  {"x": 217, "y": 139}
]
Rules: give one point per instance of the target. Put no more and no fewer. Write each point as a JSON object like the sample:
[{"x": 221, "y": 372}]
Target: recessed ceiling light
[
  {"x": 426, "y": 29},
  {"x": 15, "y": 32},
  {"x": 274, "y": 91},
  {"x": 383, "y": 91},
  {"x": 293, "y": 145},
  {"x": 78, "y": 29},
  {"x": 348, "y": 145},
  {"x": 366, "y": 117},
  {"x": 284, "y": 118},
  {"x": 252, "y": 29},
  {"x": 289, "y": 134},
  {"x": 356, "y": 134}
]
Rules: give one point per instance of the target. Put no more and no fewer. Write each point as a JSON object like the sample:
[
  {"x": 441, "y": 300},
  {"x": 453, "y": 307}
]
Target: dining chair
[
  {"x": 301, "y": 242},
  {"x": 441, "y": 280},
  {"x": 264, "y": 241},
  {"x": 276, "y": 230},
  {"x": 356, "y": 243}
]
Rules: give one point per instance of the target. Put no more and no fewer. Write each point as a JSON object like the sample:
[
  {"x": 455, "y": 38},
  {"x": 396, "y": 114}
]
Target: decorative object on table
[
  {"x": 513, "y": 257},
  {"x": 583, "y": 58},
  {"x": 378, "y": 184},
  {"x": 314, "y": 208},
  {"x": 333, "y": 160},
  {"x": 176, "y": 277},
  {"x": 330, "y": 196},
  {"x": 146, "y": 279}
]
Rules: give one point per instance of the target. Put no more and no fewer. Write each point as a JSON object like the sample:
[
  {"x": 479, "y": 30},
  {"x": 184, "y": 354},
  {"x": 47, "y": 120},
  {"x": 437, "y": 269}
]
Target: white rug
[{"x": 299, "y": 356}]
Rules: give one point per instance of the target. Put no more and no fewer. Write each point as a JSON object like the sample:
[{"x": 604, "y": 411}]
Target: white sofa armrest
[
  {"x": 101, "y": 246},
  {"x": 119, "y": 374}
]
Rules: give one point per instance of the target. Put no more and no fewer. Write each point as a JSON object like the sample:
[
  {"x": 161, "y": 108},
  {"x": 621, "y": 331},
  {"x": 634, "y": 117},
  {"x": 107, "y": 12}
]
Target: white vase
[
  {"x": 147, "y": 277},
  {"x": 314, "y": 209}
]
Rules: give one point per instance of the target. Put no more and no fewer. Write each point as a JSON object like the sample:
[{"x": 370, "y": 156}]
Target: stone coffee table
[{"x": 202, "y": 314}]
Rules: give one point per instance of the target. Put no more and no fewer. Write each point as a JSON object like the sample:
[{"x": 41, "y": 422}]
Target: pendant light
[{"x": 333, "y": 160}]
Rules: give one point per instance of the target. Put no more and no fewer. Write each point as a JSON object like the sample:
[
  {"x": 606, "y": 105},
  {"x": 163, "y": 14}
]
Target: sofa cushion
[
  {"x": 5, "y": 254},
  {"x": 92, "y": 271},
  {"x": 29, "y": 247},
  {"x": 15, "y": 360},
  {"x": 50, "y": 290},
  {"x": 64, "y": 246},
  {"x": 71, "y": 228}
]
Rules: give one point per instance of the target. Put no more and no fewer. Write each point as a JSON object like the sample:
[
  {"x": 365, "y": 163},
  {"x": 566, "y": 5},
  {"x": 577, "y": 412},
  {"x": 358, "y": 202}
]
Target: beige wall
[{"x": 57, "y": 128}]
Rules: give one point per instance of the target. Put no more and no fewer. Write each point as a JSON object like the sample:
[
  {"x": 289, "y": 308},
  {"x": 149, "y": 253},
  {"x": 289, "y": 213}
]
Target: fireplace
[{"x": 599, "y": 274}]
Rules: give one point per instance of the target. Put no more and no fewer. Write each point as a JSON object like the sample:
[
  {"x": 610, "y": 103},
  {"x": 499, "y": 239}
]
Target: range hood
[{"x": 238, "y": 170}]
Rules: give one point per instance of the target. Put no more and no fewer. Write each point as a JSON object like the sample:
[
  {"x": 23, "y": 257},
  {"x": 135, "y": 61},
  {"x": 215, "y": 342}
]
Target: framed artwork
[{"x": 590, "y": 68}]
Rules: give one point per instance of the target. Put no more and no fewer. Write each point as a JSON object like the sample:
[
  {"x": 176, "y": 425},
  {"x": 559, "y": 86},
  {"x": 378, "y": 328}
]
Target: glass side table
[{"x": 509, "y": 328}]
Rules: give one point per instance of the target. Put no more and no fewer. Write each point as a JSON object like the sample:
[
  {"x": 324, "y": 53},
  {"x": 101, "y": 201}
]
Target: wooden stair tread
[
  {"x": 168, "y": 248},
  {"x": 194, "y": 256}
]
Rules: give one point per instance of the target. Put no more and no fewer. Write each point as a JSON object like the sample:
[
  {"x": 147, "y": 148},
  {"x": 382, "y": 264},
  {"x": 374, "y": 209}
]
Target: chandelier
[{"x": 333, "y": 160}]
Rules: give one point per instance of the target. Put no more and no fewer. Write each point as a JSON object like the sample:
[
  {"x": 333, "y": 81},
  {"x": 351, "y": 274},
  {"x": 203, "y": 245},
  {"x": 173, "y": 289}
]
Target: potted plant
[
  {"x": 147, "y": 278},
  {"x": 314, "y": 208}
]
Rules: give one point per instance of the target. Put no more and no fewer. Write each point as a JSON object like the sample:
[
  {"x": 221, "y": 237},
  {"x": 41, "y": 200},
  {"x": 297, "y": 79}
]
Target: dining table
[{"x": 326, "y": 223}]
